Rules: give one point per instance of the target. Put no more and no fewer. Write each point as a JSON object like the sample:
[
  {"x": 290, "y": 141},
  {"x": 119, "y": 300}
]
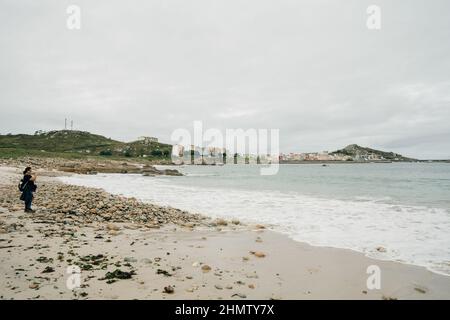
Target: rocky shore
[
  {"x": 75, "y": 205},
  {"x": 57, "y": 202}
]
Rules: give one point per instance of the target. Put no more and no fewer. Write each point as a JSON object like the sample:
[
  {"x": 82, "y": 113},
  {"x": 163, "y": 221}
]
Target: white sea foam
[{"x": 411, "y": 234}]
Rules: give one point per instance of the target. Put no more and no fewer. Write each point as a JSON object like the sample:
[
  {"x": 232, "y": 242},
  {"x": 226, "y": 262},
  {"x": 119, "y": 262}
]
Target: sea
[{"x": 402, "y": 207}]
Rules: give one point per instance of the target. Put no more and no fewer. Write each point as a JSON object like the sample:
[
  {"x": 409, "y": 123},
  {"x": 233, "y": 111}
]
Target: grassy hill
[
  {"x": 68, "y": 143},
  {"x": 363, "y": 153}
]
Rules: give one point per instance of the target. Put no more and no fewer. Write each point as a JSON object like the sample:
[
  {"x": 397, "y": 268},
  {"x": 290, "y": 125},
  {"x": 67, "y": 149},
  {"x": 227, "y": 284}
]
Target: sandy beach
[{"x": 165, "y": 253}]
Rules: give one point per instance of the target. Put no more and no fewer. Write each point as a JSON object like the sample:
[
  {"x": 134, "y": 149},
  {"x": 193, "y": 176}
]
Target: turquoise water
[
  {"x": 424, "y": 184},
  {"x": 403, "y": 207}
]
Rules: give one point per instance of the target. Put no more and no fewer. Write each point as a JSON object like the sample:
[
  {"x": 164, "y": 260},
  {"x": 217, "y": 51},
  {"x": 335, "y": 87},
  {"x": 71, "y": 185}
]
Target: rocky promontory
[{"x": 88, "y": 166}]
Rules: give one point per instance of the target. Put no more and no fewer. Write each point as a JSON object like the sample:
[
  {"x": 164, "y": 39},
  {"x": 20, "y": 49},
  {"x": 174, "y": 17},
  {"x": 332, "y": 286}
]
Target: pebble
[
  {"x": 221, "y": 222},
  {"x": 48, "y": 269},
  {"x": 34, "y": 285},
  {"x": 169, "y": 290},
  {"x": 206, "y": 268},
  {"x": 419, "y": 289},
  {"x": 258, "y": 254},
  {"x": 113, "y": 227}
]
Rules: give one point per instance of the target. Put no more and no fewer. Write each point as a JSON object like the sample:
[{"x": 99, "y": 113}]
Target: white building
[{"x": 147, "y": 140}]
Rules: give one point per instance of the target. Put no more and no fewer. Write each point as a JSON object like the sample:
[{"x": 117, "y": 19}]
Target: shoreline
[
  {"x": 224, "y": 202},
  {"x": 299, "y": 271}
]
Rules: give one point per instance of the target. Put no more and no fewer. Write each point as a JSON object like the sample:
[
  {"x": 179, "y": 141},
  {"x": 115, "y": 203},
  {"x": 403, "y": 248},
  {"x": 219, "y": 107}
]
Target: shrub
[{"x": 106, "y": 153}]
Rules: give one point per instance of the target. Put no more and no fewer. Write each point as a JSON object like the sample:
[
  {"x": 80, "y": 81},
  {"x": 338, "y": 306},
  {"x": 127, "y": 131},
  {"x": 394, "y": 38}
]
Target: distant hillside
[
  {"x": 366, "y": 154},
  {"x": 81, "y": 143}
]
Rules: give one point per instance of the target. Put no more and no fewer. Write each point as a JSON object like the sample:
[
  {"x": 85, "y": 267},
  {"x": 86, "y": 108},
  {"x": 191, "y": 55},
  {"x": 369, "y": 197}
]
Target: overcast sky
[{"x": 309, "y": 68}]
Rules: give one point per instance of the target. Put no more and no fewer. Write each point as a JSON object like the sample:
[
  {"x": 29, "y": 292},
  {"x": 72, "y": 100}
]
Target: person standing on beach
[{"x": 28, "y": 187}]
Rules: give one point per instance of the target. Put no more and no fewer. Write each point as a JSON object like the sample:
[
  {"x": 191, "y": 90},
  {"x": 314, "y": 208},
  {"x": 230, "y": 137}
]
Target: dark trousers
[{"x": 28, "y": 198}]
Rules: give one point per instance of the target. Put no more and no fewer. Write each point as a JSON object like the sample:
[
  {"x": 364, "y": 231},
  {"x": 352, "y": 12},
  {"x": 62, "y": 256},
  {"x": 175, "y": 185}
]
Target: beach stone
[
  {"x": 192, "y": 289},
  {"x": 221, "y": 222},
  {"x": 420, "y": 289},
  {"x": 112, "y": 227},
  {"x": 206, "y": 268},
  {"x": 258, "y": 254},
  {"x": 169, "y": 290},
  {"x": 48, "y": 269},
  {"x": 381, "y": 249},
  {"x": 113, "y": 232},
  {"x": 34, "y": 285}
]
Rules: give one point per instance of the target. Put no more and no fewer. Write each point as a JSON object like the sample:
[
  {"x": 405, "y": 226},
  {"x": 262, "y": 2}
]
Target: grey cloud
[{"x": 309, "y": 68}]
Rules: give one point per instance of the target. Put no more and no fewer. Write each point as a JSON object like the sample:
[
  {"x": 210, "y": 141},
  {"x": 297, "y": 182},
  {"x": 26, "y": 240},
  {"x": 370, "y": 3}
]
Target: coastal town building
[
  {"x": 215, "y": 155},
  {"x": 314, "y": 156}
]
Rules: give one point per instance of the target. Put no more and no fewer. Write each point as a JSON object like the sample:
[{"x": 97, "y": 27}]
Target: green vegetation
[
  {"x": 106, "y": 153},
  {"x": 20, "y": 153},
  {"x": 79, "y": 144}
]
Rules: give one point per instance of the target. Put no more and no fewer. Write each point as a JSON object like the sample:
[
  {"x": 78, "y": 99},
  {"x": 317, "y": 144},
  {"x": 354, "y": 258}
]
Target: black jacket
[{"x": 30, "y": 185}]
